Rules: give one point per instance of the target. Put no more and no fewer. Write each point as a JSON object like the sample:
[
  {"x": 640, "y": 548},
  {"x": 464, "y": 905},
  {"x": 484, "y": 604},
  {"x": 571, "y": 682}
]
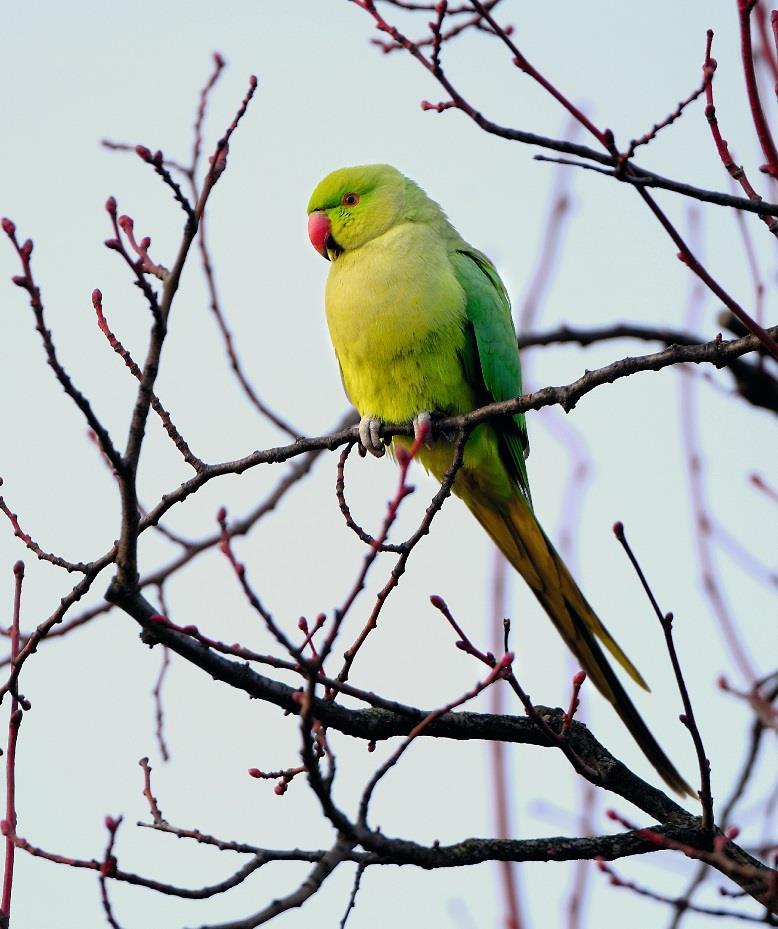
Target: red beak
[{"x": 319, "y": 230}]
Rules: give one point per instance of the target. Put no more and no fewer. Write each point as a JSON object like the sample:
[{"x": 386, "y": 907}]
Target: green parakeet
[{"x": 421, "y": 323}]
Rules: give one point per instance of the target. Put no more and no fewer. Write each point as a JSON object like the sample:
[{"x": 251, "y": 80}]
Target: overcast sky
[{"x": 76, "y": 73}]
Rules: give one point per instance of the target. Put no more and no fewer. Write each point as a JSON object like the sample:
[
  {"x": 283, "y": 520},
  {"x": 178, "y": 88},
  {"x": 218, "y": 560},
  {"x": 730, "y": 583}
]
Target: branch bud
[
  {"x": 143, "y": 153},
  {"x": 9, "y": 227},
  {"x": 110, "y": 206}
]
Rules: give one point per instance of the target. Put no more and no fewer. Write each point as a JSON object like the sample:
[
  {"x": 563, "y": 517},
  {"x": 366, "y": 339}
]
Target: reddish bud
[
  {"x": 4, "y": 827},
  {"x": 612, "y": 814},
  {"x": 371, "y": 746},
  {"x": 158, "y": 618},
  {"x": 302, "y": 624},
  {"x": 190, "y": 630},
  {"x": 684, "y": 719},
  {"x": 506, "y": 660},
  {"x": 255, "y": 772},
  {"x": 110, "y": 824},
  {"x": 253, "y": 81},
  {"x": 20, "y": 280},
  {"x": 26, "y": 248},
  {"x": 221, "y": 516},
  {"x": 9, "y": 227},
  {"x": 732, "y": 832},
  {"x": 218, "y": 60},
  {"x": 722, "y": 682},
  {"x": 126, "y": 222},
  {"x": 158, "y": 157},
  {"x": 143, "y": 152},
  {"x": 579, "y": 678},
  {"x": 97, "y": 298},
  {"x": 145, "y": 243},
  {"x": 218, "y": 160},
  {"x": 19, "y": 569},
  {"x": 113, "y": 244},
  {"x": 110, "y": 205},
  {"x": 618, "y": 529}
]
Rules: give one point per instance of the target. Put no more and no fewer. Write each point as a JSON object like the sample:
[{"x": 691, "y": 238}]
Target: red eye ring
[{"x": 350, "y": 199}]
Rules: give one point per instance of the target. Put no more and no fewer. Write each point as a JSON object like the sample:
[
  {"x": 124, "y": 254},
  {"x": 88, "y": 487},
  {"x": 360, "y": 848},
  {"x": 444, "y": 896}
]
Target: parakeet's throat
[{"x": 332, "y": 248}]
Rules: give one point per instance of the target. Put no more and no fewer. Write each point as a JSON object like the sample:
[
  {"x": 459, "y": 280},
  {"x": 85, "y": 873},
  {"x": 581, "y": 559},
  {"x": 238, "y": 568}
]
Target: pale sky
[{"x": 77, "y": 73}]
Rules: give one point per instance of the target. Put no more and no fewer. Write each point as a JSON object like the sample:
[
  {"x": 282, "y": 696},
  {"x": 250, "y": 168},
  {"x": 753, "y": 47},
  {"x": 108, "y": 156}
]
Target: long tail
[{"x": 521, "y": 539}]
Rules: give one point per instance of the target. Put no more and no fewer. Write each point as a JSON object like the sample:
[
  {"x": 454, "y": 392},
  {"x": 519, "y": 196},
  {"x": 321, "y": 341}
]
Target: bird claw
[
  {"x": 369, "y": 436},
  {"x": 422, "y": 426}
]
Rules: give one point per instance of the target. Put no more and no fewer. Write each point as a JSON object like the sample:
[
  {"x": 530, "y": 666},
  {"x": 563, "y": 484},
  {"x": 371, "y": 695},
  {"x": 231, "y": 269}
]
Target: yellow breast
[{"x": 396, "y": 312}]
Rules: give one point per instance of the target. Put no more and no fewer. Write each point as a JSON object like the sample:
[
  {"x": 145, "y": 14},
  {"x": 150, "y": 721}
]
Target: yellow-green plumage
[{"x": 420, "y": 321}]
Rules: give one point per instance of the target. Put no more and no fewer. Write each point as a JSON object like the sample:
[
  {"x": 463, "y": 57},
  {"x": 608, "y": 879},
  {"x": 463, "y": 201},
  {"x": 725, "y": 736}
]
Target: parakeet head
[{"x": 351, "y": 206}]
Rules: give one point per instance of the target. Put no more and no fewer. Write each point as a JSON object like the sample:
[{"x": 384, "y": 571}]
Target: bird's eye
[{"x": 350, "y": 199}]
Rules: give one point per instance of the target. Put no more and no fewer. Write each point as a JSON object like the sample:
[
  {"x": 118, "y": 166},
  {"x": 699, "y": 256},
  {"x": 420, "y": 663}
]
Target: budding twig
[{"x": 687, "y": 717}]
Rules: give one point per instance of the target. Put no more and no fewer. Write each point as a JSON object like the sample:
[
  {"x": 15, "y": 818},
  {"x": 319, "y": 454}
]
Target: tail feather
[{"x": 521, "y": 539}]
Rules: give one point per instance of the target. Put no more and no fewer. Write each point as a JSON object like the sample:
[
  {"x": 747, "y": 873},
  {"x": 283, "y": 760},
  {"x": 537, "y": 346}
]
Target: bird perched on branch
[{"x": 421, "y": 324}]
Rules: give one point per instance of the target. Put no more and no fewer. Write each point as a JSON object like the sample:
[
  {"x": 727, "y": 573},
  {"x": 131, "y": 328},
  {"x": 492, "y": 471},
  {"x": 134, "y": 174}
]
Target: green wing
[{"x": 491, "y": 358}]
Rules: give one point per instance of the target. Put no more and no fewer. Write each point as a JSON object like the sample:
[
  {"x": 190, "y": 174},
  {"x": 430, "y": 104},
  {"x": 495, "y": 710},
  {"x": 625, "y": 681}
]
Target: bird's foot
[
  {"x": 369, "y": 436},
  {"x": 422, "y": 427}
]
